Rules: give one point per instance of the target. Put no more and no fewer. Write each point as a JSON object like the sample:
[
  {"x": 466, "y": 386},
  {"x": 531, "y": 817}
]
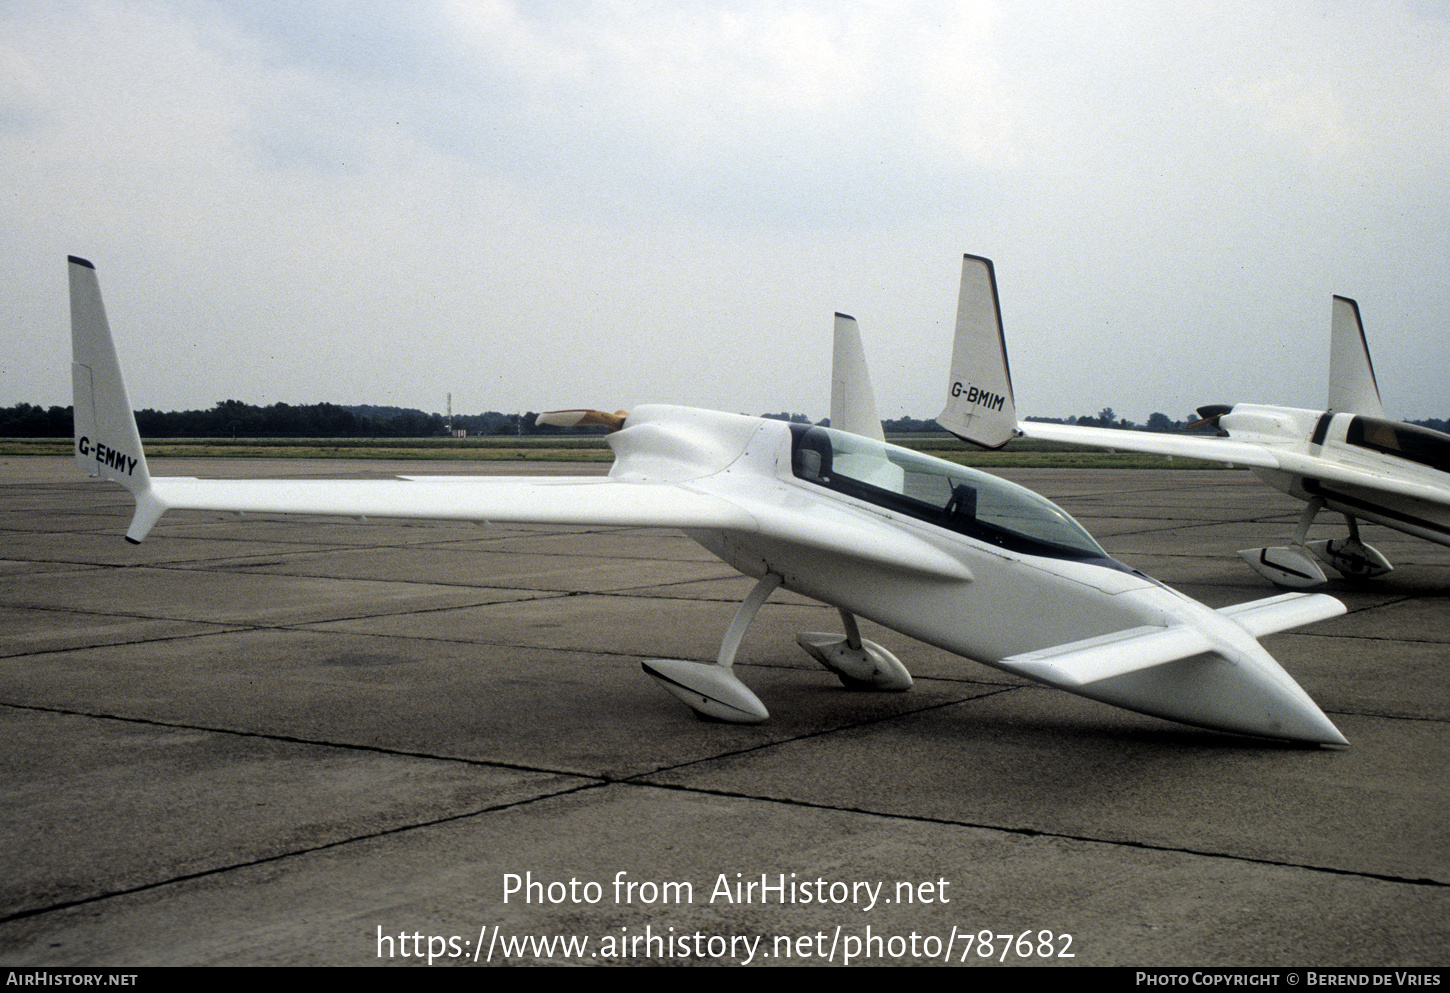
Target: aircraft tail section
[
  {"x": 853, "y": 401},
  {"x": 1352, "y": 385},
  {"x": 106, "y": 440},
  {"x": 980, "y": 407}
]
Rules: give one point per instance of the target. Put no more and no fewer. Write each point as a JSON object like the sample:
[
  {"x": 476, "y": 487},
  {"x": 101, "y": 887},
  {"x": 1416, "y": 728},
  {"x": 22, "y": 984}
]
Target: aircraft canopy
[
  {"x": 1407, "y": 441},
  {"x": 943, "y": 493}
]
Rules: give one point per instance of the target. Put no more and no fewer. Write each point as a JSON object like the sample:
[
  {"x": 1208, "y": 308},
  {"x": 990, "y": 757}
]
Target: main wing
[
  {"x": 108, "y": 445},
  {"x": 735, "y": 506},
  {"x": 520, "y": 500},
  {"x": 1223, "y": 450},
  {"x": 1230, "y": 452},
  {"x": 667, "y": 474}
]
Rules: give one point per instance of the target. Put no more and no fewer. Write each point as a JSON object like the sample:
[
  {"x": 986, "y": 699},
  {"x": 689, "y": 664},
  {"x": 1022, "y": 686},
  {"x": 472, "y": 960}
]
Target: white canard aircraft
[
  {"x": 1348, "y": 459},
  {"x": 954, "y": 557}
]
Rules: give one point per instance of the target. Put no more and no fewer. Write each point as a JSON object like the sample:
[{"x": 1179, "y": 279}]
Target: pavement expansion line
[
  {"x": 280, "y": 856},
  {"x": 1039, "y": 833}
]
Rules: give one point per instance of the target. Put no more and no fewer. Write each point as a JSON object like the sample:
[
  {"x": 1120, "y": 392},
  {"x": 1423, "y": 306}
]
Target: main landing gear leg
[
  {"x": 859, "y": 664},
  {"x": 712, "y": 689}
]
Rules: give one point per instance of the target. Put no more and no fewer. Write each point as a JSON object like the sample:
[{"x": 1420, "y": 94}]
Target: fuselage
[
  {"x": 1382, "y": 471},
  {"x": 1071, "y": 588},
  {"x": 1025, "y": 576}
]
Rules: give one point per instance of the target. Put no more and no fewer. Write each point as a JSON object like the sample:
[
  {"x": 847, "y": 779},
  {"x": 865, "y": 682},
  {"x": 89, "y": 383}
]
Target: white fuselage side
[
  {"x": 1318, "y": 461},
  {"x": 966, "y": 610}
]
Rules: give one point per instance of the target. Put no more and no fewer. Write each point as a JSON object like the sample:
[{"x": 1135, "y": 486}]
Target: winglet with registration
[
  {"x": 107, "y": 443},
  {"x": 980, "y": 407}
]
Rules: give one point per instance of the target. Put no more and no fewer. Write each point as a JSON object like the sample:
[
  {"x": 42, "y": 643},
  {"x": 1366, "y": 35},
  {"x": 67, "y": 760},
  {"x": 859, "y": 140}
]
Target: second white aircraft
[{"x": 1349, "y": 458}]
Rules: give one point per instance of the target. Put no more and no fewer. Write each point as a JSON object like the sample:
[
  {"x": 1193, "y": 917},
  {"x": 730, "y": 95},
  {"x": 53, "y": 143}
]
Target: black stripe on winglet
[{"x": 76, "y": 259}]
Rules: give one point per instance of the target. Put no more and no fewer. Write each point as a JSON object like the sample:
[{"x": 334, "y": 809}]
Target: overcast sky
[{"x": 543, "y": 205}]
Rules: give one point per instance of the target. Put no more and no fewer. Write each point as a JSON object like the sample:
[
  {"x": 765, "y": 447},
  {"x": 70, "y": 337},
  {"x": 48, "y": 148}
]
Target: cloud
[{"x": 376, "y": 202}]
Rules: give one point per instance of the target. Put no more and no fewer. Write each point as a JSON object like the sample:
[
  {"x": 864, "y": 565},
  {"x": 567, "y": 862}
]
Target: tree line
[{"x": 235, "y": 419}]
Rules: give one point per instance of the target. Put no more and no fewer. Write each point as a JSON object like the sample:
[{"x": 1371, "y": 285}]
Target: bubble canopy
[
  {"x": 1406, "y": 441},
  {"x": 938, "y": 492}
]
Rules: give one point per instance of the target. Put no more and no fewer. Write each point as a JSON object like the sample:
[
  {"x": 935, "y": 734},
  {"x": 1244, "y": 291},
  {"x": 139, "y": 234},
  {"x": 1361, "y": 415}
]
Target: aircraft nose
[
  {"x": 1254, "y": 695},
  {"x": 1248, "y": 692},
  {"x": 1333, "y": 737},
  {"x": 1241, "y": 687},
  {"x": 1302, "y": 720},
  {"x": 1306, "y": 722},
  {"x": 1206, "y": 670},
  {"x": 1285, "y": 709}
]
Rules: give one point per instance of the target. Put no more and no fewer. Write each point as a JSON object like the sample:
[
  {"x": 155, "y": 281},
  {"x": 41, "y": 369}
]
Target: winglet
[
  {"x": 106, "y": 440},
  {"x": 1352, "y": 385},
  {"x": 980, "y": 407},
  {"x": 853, "y": 401}
]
